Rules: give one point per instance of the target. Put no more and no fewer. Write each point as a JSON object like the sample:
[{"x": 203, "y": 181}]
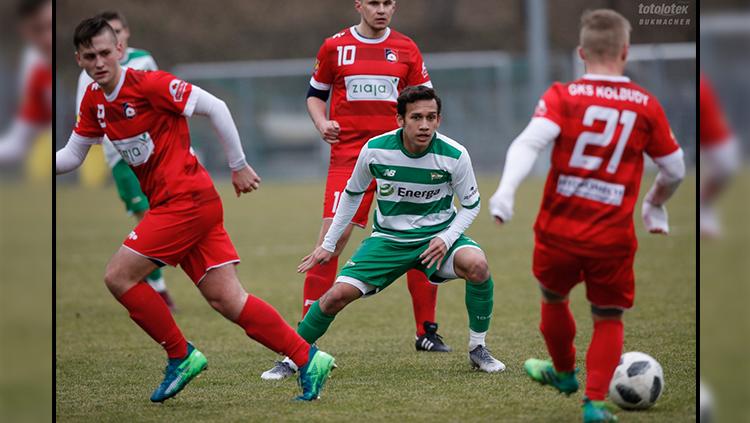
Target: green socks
[
  {"x": 479, "y": 302},
  {"x": 315, "y": 324}
]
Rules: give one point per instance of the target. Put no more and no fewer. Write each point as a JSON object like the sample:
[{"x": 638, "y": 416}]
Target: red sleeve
[
  {"x": 168, "y": 93},
  {"x": 87, "y": 123},
  {"x": 662, "y": 141},
  {"x": 550, "y": 105},
  {"x": 418, "y": 74},
  {"x": 36, "y": 105},
  {"x": 713, "y": 126},
  {"x": 323, "y": 70}
]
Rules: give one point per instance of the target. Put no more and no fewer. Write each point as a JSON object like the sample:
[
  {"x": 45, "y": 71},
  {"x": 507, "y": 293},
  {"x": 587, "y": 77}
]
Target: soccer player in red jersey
[
  {"x": 35, "y": 113},
  {"x": 145, "y": 114},
  {"x": 600, "y": 126},
  {"x": 362, "y": 69},
  {"x": 720, "y": 157}
]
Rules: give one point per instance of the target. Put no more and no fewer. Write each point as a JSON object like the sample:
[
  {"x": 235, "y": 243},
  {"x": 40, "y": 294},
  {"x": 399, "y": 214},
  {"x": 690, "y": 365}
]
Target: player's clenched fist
[
  {"x": 655, "y": 218},
  {"x": 330, "y": 130},
  {"x": 319, "y": 256},
  {"x": 245, "y": 180}
]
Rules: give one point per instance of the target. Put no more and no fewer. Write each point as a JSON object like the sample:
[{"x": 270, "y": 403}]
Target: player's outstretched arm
[
  {"x": 244, "y": 178},
  {"x": 671, "y": 173},
  {"x": 519, "y": 160},
  {"x": 74, "y": 153},
  {"x": 16, "y": 141},
  {"x": 329, "y": 129}
]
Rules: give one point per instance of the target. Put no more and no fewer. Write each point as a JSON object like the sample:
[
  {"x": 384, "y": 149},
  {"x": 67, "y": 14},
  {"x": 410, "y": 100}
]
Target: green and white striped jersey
[{"x": 414, "y": 192}]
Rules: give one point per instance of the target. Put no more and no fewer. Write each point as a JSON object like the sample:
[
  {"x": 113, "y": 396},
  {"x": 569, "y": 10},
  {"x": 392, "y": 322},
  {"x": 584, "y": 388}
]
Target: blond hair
[{"x": 604, "y": 32}]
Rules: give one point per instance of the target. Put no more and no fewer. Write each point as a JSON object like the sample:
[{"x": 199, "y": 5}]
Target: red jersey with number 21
[
  {"x": 606, "y": 123},
  {"x": 365, "y": 77},
  {"x": 145, "y": 117}
]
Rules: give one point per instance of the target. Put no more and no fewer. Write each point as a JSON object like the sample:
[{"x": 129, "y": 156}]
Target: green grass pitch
[{"x": 107, "y": 367}]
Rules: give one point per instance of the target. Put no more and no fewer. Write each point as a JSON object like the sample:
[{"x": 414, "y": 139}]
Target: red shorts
[
  {"x": 186, "y": 233},
  {"x": 335, "y": 186},
  {"x": 610, "y": 282}
]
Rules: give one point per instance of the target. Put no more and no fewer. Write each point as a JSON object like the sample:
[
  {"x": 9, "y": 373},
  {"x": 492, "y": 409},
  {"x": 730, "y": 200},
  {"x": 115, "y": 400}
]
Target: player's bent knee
[
  {"x": 477, "y": 270},
  {"x": 336, "y": 299},
  {"x": 552, "y": 297},
  {"x": 606, "y": 313}
]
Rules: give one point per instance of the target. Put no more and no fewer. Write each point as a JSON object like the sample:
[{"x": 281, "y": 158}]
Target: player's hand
[
  {"x": 245, "y": 180},
  {"x": 655, "y": 218},
  {"x": 501, "y": 208},
  {"x": 330, "y": 131},
  {"x": 434, "y": 253},
  {"x": 319, "y": 256}
]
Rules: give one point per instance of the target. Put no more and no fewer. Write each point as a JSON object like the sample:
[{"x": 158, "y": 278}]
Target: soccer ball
[{"x": 638, "y": 381}]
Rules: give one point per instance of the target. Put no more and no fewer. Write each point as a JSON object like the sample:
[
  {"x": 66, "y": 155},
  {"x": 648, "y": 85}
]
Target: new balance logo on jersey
[
  {"x": 133, "y": 235},
  {"x": 390, "y": 173}
]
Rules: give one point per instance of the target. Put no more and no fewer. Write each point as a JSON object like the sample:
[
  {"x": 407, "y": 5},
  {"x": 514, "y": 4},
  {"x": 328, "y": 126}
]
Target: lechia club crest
[{"x": 391, "y": 55}]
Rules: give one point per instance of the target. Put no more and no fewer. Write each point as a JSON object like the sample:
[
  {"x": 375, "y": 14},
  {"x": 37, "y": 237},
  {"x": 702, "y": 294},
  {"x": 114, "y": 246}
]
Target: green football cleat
[
  {"x": 596, "y": 412},
  {"x": 543, "y": 371},
  {"x": 179, "y": 372},
  {"x": 313, "y": 375}
]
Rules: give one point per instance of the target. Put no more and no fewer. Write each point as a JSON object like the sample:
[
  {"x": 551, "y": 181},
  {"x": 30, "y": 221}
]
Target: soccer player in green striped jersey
[{"x": 418, "y": 171}]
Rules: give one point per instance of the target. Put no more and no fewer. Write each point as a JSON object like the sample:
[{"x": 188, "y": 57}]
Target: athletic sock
[
  {"x": 318, "y": 280},
  {"x": 149, "y": 311},
  {"x": 558, "y": 328},
  {"x": 479, "y": 302},
  {"x": 476, "y": 339},
  {"x": 156, "y": 280},
  {"x": 602, "y": 357},
  {"x": 264, "y": 324},
  {"x": 315, "y": 324},
  {"x": 423, "y": 298}
]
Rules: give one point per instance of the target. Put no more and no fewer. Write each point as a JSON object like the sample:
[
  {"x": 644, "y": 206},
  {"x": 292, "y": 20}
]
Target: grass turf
[{"x": 107, "y": 367}]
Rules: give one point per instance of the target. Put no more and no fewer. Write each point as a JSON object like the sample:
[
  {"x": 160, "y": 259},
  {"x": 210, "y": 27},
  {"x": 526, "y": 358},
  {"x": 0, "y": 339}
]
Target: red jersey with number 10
[
  {"x": 365, "y": 76},
  {"x": 606, "y": 124},
  {"x": 145, "y": 117}
]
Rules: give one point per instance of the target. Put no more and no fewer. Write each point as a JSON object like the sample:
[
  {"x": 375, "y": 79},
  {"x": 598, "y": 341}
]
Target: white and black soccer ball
[{"x": 638, "y": 381}]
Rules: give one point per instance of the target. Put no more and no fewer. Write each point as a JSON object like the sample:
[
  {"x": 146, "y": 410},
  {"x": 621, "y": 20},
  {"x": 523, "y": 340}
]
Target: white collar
[
  {"x": 359, "y": 37},
  {"x": 111, "y": 97},
  {"x": 610, "y": 78}
]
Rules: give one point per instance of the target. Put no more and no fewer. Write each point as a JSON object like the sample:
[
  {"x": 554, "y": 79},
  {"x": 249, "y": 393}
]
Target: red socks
[
  {"x": 318, "y": 280},
  {"x": 423, "y": 298},
  {"x": 265, "y": 325},
  {"x": 559, "y": 328},
  {"x": 151, "y": 313},
  {"x": 602, "y": 357}
]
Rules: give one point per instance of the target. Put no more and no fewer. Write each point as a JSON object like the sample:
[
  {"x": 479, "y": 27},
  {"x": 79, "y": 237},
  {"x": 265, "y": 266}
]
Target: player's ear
[
  {"x": 120, "y": 50},
  {"x": 581, "y": 53},
  {"x": 78, "y": 59},
  {"x": 400, "y": 119},
  {"x": 624, "y": 53}
]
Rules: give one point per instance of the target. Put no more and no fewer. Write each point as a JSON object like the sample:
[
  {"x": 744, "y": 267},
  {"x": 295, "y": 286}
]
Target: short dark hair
[
  {"x": 90, "y": 28},
  {"x": 414, "y": 94},
  {"x": 114, "y": 15},
  {"x": 27, "y": 8}
]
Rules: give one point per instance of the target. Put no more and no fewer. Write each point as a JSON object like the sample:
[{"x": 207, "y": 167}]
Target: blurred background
[
  {"x": 724, "y": 266},
  {"x": 490, "y": 61}
]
